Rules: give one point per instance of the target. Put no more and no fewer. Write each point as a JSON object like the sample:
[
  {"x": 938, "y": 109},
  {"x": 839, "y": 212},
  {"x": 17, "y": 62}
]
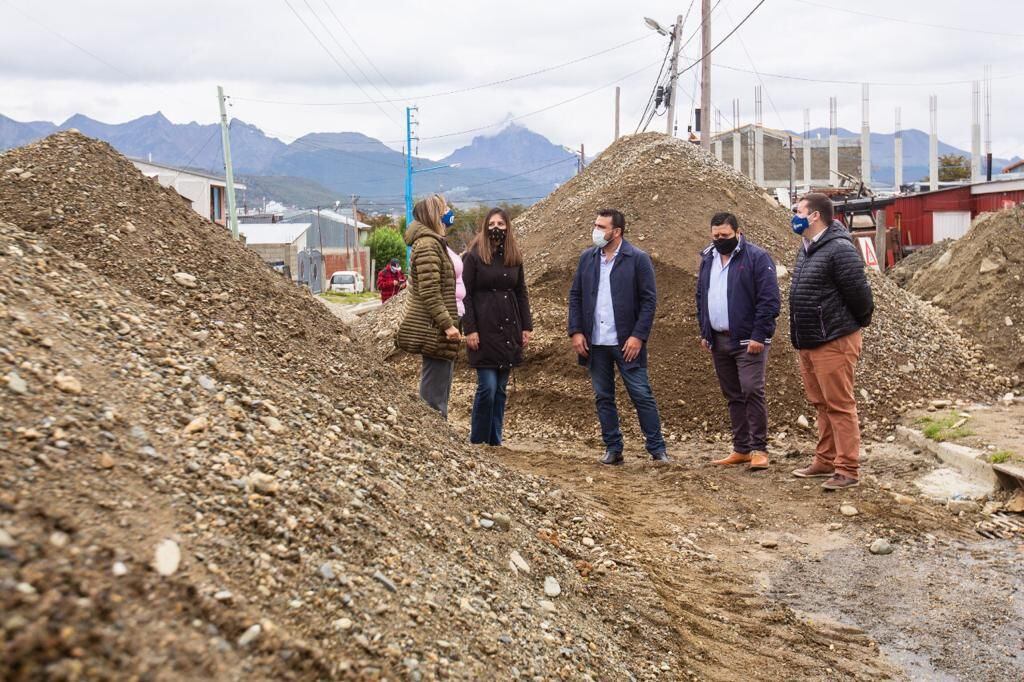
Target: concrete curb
[{"x": 969, "y": 461}]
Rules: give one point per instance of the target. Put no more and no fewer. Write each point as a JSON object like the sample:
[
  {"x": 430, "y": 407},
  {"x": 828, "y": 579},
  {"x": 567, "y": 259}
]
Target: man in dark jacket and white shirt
[
  {"x": 829, "y": 302},
  {"x": 737, "y": 303},
  {"x": 611, "y": 311}
]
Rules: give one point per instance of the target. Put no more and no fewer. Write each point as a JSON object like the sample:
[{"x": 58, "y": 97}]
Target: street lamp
[{"x": 655, "y": 26}]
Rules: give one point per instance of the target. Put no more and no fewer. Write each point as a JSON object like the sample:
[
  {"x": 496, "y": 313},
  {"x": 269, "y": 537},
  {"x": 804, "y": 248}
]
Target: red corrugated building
[{"x": 928, "y": 217}]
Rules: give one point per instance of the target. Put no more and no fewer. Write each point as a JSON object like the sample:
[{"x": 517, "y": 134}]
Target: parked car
[{"x": 346, "y": 282}]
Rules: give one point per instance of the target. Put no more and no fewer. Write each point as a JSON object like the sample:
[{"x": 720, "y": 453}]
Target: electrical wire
[
  {"x": 457, "y": 91},
  {"x": 808, "y": 79},
  {"x": 759, "y": 79},
  {"x": 63, "y": 37},
  {"x": 908, "y": 21},
  {"x": 542, "y": 110},
  {"x": 330, "y": 54},
  {"x": 345, "y": 52},
  {"x": 362, "y": 52}
]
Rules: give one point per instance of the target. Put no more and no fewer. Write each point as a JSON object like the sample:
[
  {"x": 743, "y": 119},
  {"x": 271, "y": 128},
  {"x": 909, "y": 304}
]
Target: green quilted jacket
[{"x": 430, "y": 307}]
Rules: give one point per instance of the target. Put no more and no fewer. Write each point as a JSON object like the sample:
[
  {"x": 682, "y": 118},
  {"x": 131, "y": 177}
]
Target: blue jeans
[
  {"x": 603, "y": 360},
  {"x": 489, "y": 406}
]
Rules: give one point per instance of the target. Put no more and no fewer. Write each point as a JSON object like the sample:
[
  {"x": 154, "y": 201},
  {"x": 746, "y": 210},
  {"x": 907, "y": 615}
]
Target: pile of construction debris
[
  {"x": 203, "y": 478},
  {"x": 908, "y": 268},
  {"x": 979, "y": 281}
]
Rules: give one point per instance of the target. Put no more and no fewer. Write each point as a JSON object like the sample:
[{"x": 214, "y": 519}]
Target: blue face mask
[
  {"x": 448, "y": 218},
  {"x": 800, "y": 223}
]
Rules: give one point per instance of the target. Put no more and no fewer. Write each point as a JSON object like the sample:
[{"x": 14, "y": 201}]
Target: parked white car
[{"x": 346, "y": 282}]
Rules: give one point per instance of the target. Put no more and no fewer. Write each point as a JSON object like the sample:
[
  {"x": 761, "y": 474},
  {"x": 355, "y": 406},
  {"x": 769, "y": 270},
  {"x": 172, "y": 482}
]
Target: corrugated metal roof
[
  {"x": 325, "y": 214},
  {"x": 272, "y": 233}
]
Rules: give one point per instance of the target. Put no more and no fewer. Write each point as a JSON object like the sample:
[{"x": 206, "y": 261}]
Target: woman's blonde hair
[{"x": 428, "y": 212}]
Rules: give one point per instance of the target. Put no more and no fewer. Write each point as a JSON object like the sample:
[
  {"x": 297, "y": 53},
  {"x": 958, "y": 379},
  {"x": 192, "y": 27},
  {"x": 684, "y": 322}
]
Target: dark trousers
[
  {"x": 489, "y": 405},
  {"x": 741, "y": 376},
  {"x": 603, "y": 360},
  {"x": 436, "y": 383}
]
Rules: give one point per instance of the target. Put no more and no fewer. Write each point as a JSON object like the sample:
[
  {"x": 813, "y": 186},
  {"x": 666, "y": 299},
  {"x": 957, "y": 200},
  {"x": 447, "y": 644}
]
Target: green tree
[
  {"x": 953, "y": 167},
  {"x": 386, "y": 243}
]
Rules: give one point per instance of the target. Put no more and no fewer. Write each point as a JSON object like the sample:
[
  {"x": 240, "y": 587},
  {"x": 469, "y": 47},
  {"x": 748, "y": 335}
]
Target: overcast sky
[{"x": 114, "y": 60}]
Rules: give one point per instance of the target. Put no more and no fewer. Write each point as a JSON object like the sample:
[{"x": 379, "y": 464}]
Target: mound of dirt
[
  {"x": 979, "y": 280},
  {"x": 203, "y": 479},
  {"x": 908, "y": 268},
  {"x": 668, "y": 190}
]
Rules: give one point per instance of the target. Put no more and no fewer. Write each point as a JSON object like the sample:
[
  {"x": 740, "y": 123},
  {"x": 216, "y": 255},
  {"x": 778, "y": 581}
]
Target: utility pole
[
  {"x": 408, "y": 178},
  {"x": 323, "y": 257},
  {"x": 229, "y": 174},
  {"x": 705, "y": 75},
  {"x": 677, "y": 32},
  {"x": 581, "y": 161},
  {"x": 618, "y": 91},
  {"x": 355, "y": 233}
]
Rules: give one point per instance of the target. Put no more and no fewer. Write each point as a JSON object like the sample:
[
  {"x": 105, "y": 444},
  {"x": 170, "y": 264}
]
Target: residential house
[{"x": 206, "y": 192}]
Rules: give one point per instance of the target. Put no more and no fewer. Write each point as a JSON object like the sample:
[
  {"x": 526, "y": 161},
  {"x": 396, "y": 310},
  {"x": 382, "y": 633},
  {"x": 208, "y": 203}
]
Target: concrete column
[
  {"x": 737, "y": 151},
  {"x": 751, "y": 154},
  {"x": 865, "y": 138},
  {"x": 897, "y": 153},
  {"x": 718, "y": 149},
  {"x": 758, "y": 139},
  {"x": 833, "y": 143},
  {"x": 975, "y": 131},
  {"x": 933, "y": 143},
  {"x": 807, "y": 148}
]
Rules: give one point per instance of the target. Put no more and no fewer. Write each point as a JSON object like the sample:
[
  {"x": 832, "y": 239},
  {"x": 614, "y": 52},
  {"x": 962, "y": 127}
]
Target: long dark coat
[{"x": 497, "y": 308}]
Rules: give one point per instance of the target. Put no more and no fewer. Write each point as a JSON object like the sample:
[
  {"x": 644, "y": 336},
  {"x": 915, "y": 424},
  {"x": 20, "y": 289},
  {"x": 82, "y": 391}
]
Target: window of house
[{"x": 216, "y": 199}]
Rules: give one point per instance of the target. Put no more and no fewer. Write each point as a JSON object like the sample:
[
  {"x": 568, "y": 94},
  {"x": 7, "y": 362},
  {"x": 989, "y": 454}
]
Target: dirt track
[{"x": 758, "y": 570}]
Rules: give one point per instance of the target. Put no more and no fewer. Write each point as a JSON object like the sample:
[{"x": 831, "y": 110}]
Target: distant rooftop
[{"x": 272, "y": 233}]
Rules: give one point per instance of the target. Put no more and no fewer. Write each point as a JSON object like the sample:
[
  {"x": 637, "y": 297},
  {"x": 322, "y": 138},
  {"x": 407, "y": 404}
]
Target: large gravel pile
[
  {"x": 668, "y": 190},
  {"x": 202, "y": 478},
  {"x": 979, "y": 281}
]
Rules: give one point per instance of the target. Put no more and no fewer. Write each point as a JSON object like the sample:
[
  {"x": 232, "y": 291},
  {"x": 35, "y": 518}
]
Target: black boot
[
  {"x": 612, "y": 457},
  {"x": 660, "y": 456}
]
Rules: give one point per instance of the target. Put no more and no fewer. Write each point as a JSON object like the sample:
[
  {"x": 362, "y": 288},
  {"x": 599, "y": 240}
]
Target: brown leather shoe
[
  {"x": 840, "y": 482},
  {"x": 731, "y": 460},
  {"x": 815, "y": 470},
  {"x": 758, "y": 460}
]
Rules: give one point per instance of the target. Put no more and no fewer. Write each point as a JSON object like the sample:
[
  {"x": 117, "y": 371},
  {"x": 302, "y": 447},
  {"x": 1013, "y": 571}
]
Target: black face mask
[
  {"x": 726, "y": 246},
  {"x": 496, "y": 235}
]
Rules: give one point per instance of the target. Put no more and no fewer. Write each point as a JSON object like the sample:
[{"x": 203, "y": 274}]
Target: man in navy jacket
[
  {"x": 611, "y": 311},
  {"x": 737, "y": 303}
]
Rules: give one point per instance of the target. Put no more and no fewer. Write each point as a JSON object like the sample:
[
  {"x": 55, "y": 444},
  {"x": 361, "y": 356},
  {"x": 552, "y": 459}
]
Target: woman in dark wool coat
[{"x": 497, "y": 324}]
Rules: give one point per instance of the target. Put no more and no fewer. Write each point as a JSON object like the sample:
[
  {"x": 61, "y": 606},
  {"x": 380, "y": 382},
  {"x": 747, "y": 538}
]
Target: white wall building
[{"x": 208, "y": 193}]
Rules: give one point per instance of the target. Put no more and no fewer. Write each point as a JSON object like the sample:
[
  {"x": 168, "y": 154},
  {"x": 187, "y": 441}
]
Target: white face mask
[{"x": 599, "y": 238}]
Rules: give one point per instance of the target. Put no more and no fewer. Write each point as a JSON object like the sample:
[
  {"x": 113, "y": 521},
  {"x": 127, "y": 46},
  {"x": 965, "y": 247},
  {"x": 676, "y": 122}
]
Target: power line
[
  {"x": 331, "y": 54},
  {"x": 458, "y": 91},
  {"x": 526, "y": 172},
  {"x": 908, "y": 21},
  {"x": 542, "y": 110},
  {"x": 188, "y": 163},
  {"x": 727, "y": 36},
  {"x": 759, "y": 79},
  {"x": 808, "y": 79},
  {"x": 63, "y": 37},
  {"x": 363, "y": 52},
  {"x": 341, "y": 47},
  {"x": 657, "y": 82}
]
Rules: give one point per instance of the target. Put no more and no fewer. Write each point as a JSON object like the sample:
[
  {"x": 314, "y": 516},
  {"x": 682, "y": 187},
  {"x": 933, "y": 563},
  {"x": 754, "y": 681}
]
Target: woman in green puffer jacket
[{"x": 430, "y": 325}]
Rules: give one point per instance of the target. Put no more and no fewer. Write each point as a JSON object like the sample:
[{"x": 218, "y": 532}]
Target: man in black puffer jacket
[{"x": 829, "y": 302}]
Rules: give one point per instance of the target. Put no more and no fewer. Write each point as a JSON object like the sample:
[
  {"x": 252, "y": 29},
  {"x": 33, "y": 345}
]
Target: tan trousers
[{"x": 827, "y": 372}]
